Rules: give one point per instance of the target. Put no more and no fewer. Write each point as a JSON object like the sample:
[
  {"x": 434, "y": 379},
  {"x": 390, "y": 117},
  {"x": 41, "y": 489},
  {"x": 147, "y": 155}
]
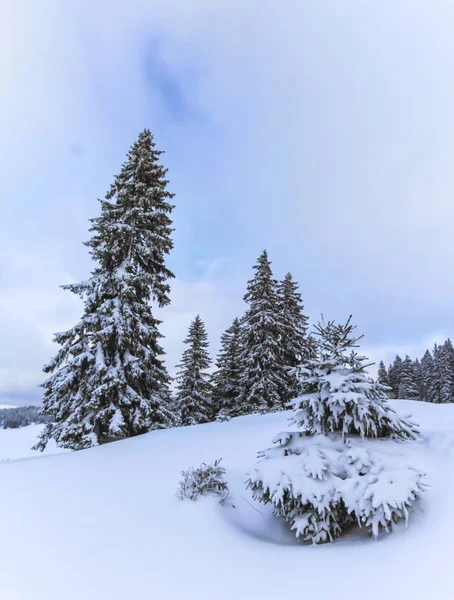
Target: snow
[
  {"x": 17, "y": 443},
  {"x": 105, "y": 523}
]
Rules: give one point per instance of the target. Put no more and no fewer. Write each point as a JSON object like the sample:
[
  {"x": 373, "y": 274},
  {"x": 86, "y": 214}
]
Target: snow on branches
[
  {"x": 346, "y": 464},
  {"x": 207, "y": 479}
]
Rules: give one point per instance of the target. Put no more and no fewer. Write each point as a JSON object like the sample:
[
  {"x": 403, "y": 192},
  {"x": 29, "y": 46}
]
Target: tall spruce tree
[
  {"x": 263, "y": 375},
  {"x": 383, "y": 378},
  {"x": 446, "y": 371},
  {"x": 226, "y": 378},
  {"x": 418, "y": 377},
  {"x": 193, "y": 382},
  {"x": 296, "y": 346},
  {"x": 107, "y": 380},
  {"x": 394, "y": 372},
  {"x": 408, "y": 388},
  {"x": 436, "y": 373},
  {"x": 428, "y": 384}
]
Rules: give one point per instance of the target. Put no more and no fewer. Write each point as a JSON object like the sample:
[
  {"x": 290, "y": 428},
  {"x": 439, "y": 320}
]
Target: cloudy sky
[{"x": 322, "y": 131}]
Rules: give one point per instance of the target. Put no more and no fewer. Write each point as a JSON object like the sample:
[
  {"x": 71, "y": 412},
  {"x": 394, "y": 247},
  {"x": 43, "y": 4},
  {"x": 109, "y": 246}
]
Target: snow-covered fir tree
[
  {"x": 108, "y": 380},
  {"x": 446, "y": 372},
  {"x": 263, "y": 374},
  {"x": 328, "y": 476},
  {"x": 383, "y": 377},
  {"x": 394, "y": 376},
  {"x": 226, "y": 379},
  {"x": 428, "y": 383},
  {"x": 408, "y": 387},
  {"x": 418, "y": 378},
  {"x": 193, "y": 381},
  {"x": 436, "y": 374},
  {"x": 295, "y": 343}
]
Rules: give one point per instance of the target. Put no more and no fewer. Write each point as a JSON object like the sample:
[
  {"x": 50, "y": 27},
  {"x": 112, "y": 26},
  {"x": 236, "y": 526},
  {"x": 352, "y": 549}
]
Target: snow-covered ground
[
  {"x": 105, "y": 523},
  {"x": 17, "y": 443}
]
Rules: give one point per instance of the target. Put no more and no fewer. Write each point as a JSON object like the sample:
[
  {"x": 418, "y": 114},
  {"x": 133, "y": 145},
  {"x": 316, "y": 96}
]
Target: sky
[{"x": 321, "y": 131}]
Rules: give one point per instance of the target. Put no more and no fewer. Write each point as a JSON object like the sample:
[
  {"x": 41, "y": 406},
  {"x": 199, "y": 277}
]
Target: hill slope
[{"x": 105, "y": 523}]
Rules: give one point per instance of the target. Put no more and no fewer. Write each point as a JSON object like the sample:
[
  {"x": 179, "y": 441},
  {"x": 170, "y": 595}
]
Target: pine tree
[
  {"x": 325, "y": 477},
  {"x": 296, "y": 347},
  {"x": 436, "y": 374},
  {"x": 446, "y": 372},
  {"x": 383, "y": 378},
  {"x": 428, "y": 384},
  {"x": 394, "y": 372},
  {"x": 107, "y": 380},
  {"x": 408, "y": 388},
  {"x": 226, "y": 378},
  {"x": 194, "y": 389},
  {"x": 337, "y": 394},
  {"x": 263, "y": 375},
  {"x": 418, "y": 378}
]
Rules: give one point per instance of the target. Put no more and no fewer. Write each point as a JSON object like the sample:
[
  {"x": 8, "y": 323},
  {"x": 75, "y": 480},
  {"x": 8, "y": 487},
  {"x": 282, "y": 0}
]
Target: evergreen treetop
[{"x": 132, "y": 236}]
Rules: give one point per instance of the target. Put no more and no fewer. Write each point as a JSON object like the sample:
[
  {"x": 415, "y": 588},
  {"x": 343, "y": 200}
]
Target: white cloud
[
  {"x": 32, "y": 309},
  {"x": 316, "y": 140}
]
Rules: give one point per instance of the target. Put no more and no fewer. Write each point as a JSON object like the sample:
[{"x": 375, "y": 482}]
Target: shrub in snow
[
  {"x": 207, "y": 479},
  {"x": 346, "y": 464}
]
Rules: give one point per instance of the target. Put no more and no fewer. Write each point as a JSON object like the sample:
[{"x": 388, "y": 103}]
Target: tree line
[
  {"x": 21, "y": 416},
  {"x": 430, "y": 379}
]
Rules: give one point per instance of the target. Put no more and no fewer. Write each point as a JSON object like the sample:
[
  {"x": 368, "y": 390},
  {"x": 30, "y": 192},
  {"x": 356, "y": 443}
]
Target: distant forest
[
  {"x": 430, "y": 379},
  {"x": 21, "y": 416}
]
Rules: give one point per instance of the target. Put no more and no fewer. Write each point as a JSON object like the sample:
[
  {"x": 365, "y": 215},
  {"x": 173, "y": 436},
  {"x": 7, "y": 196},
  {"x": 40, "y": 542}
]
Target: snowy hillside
[
  {"x": 17, "y": 443},
  {"x": 105, "y": 523}
]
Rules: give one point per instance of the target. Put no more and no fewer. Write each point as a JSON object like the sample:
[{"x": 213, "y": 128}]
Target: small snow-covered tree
[
  {"x": 295, "y": 343},
  {"x": 226, "y": 379},
  {"x": 263, "y": 375},
  {"x": 108, "y": 379},
  {"x": 408, "y": 387},
  {"x": 329, "y": 475},
  {"x": 193, "y": 386}
]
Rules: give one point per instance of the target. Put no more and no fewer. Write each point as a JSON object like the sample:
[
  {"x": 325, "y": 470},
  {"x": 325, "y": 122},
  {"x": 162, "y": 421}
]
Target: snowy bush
[
  {"x": 207, "y": 479},
  {"x": 348, "y": 464}
]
